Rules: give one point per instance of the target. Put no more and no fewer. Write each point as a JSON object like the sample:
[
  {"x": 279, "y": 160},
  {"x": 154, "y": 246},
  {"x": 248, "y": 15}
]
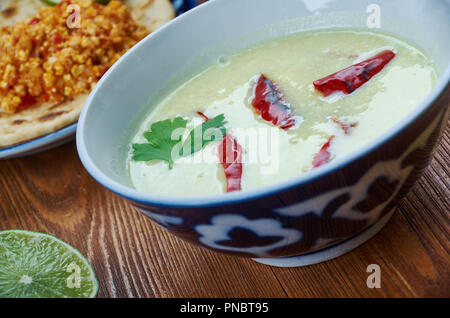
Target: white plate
[{"x": 39, "y": 144}]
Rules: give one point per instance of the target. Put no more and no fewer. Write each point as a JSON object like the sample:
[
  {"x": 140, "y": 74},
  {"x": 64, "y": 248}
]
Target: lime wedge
[{"x": 35, "y": 265}]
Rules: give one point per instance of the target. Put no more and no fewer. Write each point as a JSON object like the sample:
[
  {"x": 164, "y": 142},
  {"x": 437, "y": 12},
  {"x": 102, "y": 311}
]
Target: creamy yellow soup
[{"x": 272, "y": 154}]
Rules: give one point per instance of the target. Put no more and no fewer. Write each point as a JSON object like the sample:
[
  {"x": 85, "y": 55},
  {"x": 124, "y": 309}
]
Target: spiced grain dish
[{"x": 51, "y": 60}]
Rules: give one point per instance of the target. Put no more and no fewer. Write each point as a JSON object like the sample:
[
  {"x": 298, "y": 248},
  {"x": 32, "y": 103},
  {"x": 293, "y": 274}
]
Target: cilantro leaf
[
  {"x": 203, "y": 134},
  {"x": 162, "y": 138},
  {"x": 165, "y": 140}
]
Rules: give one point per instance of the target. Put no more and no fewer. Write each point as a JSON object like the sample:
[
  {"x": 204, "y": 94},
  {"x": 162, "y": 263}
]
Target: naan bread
[
  {"x": 39, "y": 120},
  {"x": 49, "y": 117},
  {"x": 12, "y": 11}
]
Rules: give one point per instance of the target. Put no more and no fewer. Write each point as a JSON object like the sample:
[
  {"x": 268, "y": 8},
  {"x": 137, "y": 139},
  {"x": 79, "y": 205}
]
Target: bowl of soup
[{"x": 286, "y": 132}]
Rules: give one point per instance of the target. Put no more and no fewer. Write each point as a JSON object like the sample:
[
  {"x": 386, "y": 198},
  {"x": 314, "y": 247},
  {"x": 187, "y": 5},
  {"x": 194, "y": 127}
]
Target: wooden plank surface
[{"x": 51, "y": 192}]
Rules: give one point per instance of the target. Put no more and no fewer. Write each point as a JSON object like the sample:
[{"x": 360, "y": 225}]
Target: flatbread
[
  {"x": 39, "y": 120},
  {"x": 12, "y": 11},
  {"x": 45, "y": 118}
]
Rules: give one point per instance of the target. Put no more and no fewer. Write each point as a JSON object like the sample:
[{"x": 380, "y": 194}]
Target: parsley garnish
[
  {"x": 203, "y": 134},
  {"x": 160, "y": 141},
  {"x": 165, "y": 139}
]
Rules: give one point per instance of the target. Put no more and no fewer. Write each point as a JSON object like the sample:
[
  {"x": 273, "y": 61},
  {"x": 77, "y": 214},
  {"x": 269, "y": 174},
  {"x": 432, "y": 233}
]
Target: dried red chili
[
  {"x": 324, "y": 155},
  {"x": 269, "y": 103},
  {"x": 345, "y": 127},
  {"x": 350, "y": 79},
  {"x": 230, "y": 154},
  {"x": 206, "y": 118}
]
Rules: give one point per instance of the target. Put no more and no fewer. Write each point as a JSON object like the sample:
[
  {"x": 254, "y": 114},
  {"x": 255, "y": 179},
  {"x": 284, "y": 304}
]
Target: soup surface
[{"x": 300, "y": 128}]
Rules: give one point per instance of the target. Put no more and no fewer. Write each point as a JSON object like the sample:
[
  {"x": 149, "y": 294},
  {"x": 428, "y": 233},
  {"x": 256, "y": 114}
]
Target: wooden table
[{"x": 51, "y": 192}]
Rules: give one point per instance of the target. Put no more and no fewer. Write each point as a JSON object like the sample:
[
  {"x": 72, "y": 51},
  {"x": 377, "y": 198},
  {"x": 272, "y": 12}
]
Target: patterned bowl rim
[{"x": 247, "y": 195}]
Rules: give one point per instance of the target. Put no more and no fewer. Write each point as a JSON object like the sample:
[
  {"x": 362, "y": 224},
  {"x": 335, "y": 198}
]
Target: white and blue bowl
[{"x": 311, "y": 217}]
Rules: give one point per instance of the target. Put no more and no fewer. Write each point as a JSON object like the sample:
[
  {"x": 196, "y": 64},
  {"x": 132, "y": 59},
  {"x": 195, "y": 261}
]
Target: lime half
[{"x": 35, "y": 265}]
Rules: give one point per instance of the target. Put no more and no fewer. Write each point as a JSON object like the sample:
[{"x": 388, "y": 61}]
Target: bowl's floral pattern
[{"x": 323, "y": 212}]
